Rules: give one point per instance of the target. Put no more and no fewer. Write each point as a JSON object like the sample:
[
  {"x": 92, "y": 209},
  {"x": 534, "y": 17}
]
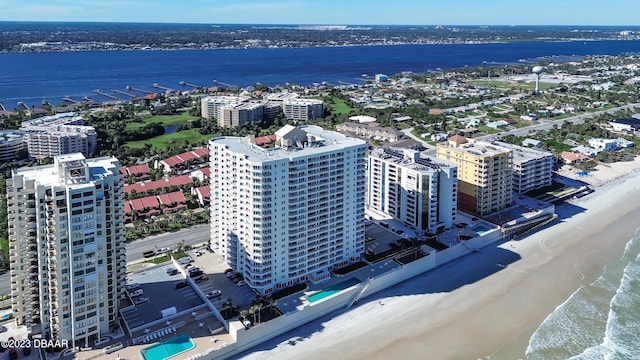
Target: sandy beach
[{"x": 488, "y": 304}]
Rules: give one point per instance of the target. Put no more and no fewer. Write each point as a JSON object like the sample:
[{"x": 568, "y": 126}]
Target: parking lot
[
  {"x": 214, "y": 266},
  {"x": 160, "y": 288}
]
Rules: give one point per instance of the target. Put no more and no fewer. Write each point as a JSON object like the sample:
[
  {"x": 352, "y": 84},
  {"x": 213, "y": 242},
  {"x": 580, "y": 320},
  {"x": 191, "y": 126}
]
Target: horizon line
[{"x": 300, "y": 24}]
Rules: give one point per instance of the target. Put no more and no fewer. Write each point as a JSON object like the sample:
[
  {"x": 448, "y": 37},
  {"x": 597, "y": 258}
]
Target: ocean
[
  {"x": 33, "y": 77},
  {"x": 598, "y": 321}
]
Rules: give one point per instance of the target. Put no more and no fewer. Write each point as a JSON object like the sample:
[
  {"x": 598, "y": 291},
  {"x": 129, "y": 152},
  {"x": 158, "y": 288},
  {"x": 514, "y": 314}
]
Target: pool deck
[
  {"x": 201, "y": 337},
  {"x": 296, "y": 301}
]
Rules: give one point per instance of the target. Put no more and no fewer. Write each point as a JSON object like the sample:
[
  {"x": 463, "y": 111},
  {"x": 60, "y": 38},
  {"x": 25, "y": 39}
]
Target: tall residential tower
[
  {"x": 418, "y": 190},
  {"x": 67, "y": 247},
  {"x": 289, "y": 213}
]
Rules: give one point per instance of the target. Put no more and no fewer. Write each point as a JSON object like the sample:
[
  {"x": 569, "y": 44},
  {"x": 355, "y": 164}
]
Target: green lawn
[
  {"x": 163, "y": 119},
  {"x": 162, "y": 141},
  {"x": 520, "y": 85},
  {"x": 488, "y": 130},
  {"x": 340, "y": 106},
  {"x": 158, "y": 260}
]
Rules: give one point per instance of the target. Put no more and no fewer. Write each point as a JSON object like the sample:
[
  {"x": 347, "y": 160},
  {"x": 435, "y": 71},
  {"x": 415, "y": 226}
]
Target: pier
[
  {"x": 124, "y": 93},
  {"x": 184, "y": 83},
  {"x": 158, "y": 86},
  {"x": 131, "y": 88},
  {"x": 99, "y": 92}
]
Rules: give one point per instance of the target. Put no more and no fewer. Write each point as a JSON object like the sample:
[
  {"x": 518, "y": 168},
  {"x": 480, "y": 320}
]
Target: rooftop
[
  {"x": 524, "y": 154},
  {"x": 474, "y": 147},
  {"x": 323, "y": 141},
  {"x": 411, "y": 159},
  {"x": 48, "y": 174}
]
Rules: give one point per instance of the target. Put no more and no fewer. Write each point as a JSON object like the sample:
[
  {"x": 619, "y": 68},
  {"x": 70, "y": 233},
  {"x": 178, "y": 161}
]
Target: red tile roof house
[
  {"x": 573, "y": 157},
  {"x": 203, "y": 174},
  {"x": 158, "y": 185},
  {"x": 154, "y": 205},
  {"x": 203, "y": 193},
  {"x": 143, "y": 207},
  {"x": 140, "y": 172},
  {"x": 180, "y": 161},
  {"x": 172, "y": 201}
]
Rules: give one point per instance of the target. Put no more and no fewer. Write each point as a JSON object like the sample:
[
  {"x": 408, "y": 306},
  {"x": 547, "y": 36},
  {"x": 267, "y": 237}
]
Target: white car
[
  {"x": 164, "y": 250},
  {"x": 131, "y": 286},
  {"x": 214, "y": 294},
  {"x": 136, "y": 292},
  {"x": 140, "y": 300}
]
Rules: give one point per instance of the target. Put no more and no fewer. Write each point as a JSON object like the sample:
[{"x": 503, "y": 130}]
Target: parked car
[
  {"x": 182, "y": 284},
  {"x": 171, "y": 269},
  {"x": 3, "y": 329},
  {"x": 164, "y": 250},
  {"x": 185, "y": 260},
  {"x": 136, "y": 292},
  {"x": 214, "y": 294},
  {"x": 195, "y": 274},
  {"x": 201, "y": 278},
  {"x": 197, "y": 253},
  {"x": 246, "y": 323},
  {"x": 131, "y": 286},
  {"x": 172, "y": 272},
  {"x": 140, "y": 300}
]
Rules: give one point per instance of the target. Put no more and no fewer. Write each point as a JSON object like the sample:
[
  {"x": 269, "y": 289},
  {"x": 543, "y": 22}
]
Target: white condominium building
[
  {"x": 531, "y": 168},
  {"x": 303, "y": 109},
  {"x": 289, "y": 213},
  {"x": 58, "y": 134},
  {"x": 419, "y": 190},
  {"x": 67, "y": 247}
]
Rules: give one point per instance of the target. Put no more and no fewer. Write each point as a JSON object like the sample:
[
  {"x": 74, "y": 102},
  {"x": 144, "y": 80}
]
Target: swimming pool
[
  {"x": 480, "y": 229},
  {"x": 168, "y": 348},
  {"x": 334, "y": 289}
]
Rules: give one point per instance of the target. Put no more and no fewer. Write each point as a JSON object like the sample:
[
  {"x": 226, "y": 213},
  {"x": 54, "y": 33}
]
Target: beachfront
[{"x": 486, "y": 305}]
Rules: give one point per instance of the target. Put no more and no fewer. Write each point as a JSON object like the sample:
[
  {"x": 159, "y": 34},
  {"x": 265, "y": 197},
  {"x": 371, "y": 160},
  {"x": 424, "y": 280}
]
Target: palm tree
[
  {"x": 258, "y": 308},
  {"x": 252, "y": 311}
]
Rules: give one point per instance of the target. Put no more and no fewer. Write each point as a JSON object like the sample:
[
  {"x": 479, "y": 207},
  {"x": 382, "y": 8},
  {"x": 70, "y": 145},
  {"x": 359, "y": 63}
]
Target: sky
[{"x": 330, "y": 12}]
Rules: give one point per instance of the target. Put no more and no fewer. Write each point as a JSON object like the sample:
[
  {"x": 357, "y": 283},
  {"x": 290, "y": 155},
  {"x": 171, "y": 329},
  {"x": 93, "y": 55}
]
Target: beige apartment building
[{"x": 484, "y": 174}]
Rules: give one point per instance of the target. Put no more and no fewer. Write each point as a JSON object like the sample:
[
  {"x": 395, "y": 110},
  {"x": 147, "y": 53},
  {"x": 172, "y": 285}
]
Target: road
[
  {"x": 407, "y": 132},
  {"x": 194, "y": 235},
  {"x": 548, "y": 124},
  {"x": 545, "y": 125}
]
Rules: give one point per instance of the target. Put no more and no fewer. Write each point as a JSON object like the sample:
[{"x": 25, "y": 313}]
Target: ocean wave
[{"x": 598, "y": 321}]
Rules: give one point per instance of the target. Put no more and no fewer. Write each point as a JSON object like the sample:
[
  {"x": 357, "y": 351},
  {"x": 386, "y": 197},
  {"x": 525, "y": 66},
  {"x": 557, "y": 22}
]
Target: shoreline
[{"x": 489, "y": 317}]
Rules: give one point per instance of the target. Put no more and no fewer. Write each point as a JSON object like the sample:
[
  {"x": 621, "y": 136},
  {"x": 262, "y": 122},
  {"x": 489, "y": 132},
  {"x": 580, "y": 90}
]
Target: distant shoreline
[
  {"x": 78, "y": 36},
  {"x": 72, "y": 47}
]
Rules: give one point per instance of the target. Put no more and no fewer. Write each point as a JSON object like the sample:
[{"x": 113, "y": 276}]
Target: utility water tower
[{"x": 537, "y": 70}]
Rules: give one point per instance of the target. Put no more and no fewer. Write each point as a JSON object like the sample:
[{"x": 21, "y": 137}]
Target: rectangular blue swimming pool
[
  {"x": 480, "y": 229},
  {"x": 332, "y": 290},
  {"x": 168, "y": 348}
]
